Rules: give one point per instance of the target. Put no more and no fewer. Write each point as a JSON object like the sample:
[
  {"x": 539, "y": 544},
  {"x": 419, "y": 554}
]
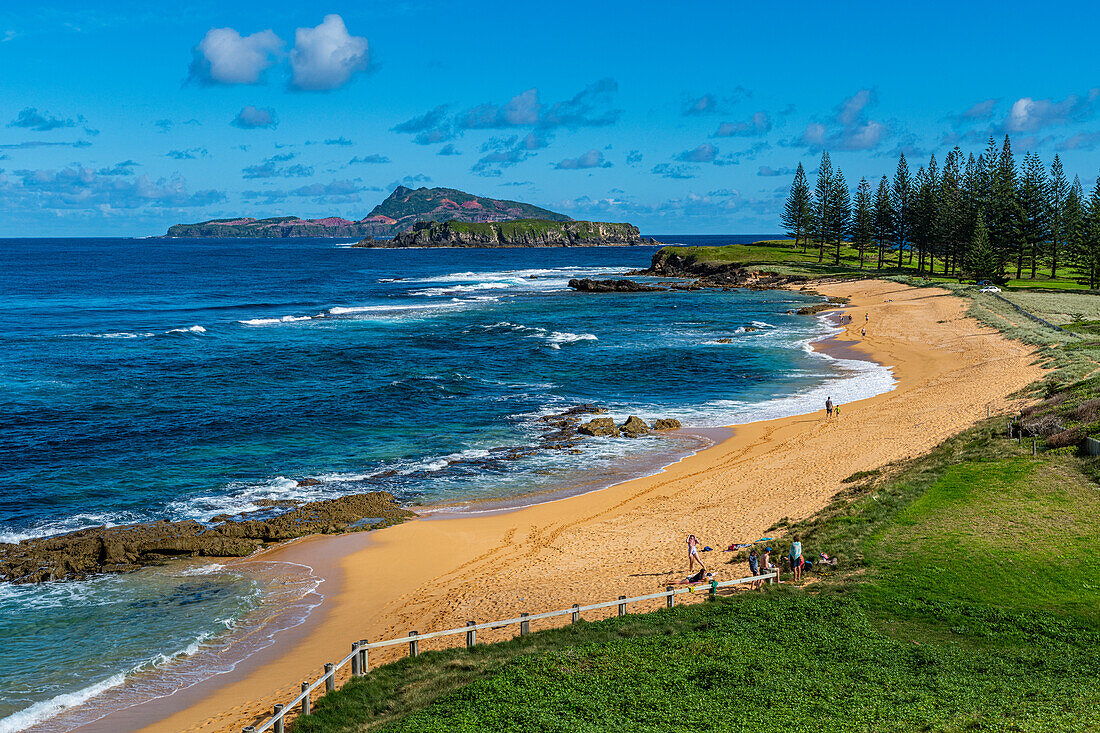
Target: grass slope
[{"x": 968, "y": 603}]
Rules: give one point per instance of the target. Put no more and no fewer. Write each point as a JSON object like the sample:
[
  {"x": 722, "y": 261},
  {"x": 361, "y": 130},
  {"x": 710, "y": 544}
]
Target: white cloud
[
  {"x": 251, "y": 118},
  {"x": 1029, "y": 115},
  {"x": 591, "y": 159},
  {"x": 325, "y": 57},
  {"x": 224, "y": 56}
]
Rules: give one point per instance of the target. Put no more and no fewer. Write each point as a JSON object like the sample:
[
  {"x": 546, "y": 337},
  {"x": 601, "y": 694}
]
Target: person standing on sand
[
  {"x": 754, "y": 568},
  {"x": 836, "y": 412},
  {"x": 766, "y": 563},
  {"x": 863, "y": 332},
  {"x": 693, "y": 553},
  {"x": 866, "y": 317},
  {"x": 795, "y": 556},
  {"x": 828, "y": 407}
]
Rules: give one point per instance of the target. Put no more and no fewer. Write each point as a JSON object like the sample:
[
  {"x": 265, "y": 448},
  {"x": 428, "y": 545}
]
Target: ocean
[{"x": 176, "y": 379}]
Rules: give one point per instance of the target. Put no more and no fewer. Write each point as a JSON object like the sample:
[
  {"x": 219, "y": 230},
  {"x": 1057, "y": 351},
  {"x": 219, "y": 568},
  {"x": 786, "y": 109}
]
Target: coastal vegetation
[
  {"x": 515, "y": 233},
  {"x": 399, "y": 211},
  {"x": 982, "y": 218}
]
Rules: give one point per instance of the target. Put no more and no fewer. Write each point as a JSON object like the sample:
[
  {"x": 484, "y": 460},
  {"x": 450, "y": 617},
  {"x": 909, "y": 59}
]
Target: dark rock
[
  {"x": 309, "y": 482},
  {"x": 118, "y": 549},
  {"x": 666, "y": 423},
  {"x": 587, "y": 285},
  {"x": 600, "y": 426},
  {"x": 634, "y": 427}
]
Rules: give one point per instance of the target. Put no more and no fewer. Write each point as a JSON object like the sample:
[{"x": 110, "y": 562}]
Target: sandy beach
[{"x": 431, "y": 574}]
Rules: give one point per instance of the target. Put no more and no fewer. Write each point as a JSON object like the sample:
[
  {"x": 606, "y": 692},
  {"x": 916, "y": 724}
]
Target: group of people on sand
[
  {"x": 831, "y": 409},
  {"x": 760, "y": 563}
]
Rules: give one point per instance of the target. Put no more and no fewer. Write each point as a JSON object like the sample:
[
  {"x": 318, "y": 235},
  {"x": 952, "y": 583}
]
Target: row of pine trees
[{"x": 983, "y": 218}]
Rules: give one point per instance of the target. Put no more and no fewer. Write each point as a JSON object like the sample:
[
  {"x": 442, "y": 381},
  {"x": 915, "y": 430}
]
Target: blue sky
[{"x": 121, "y": 118}]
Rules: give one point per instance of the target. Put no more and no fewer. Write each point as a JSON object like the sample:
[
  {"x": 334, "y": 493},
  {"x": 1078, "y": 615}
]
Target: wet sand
[{"x": 629, "y": 538}]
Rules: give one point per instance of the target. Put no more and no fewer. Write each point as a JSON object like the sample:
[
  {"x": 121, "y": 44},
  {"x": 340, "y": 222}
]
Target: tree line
[{"x": 984, "y": 218}]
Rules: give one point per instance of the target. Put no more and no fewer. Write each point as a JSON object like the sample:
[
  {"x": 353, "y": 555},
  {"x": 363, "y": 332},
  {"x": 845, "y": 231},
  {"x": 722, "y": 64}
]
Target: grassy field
[{"x": 966, "y": 599}]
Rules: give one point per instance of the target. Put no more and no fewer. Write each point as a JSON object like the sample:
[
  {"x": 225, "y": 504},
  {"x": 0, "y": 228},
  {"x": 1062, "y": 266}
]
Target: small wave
[
  {"x": 762, "y": 324},
  {"x": 189, "y": 329},
  {"x": 69, "y": 524},
  {"x": 49, "y": 708},
  {"x": 354, "y": 309},
  {"x": 459, "y": 289},
  {"x": 554, "y": 339},
  {"x": 271, "y": 321},
  {"x": 113, "y": 335},
  {"x": 204, "y": 569}
]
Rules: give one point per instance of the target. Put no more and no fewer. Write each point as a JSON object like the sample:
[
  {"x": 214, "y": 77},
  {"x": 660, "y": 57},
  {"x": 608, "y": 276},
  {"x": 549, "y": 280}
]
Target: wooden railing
[{"x": 359, "y": 658}]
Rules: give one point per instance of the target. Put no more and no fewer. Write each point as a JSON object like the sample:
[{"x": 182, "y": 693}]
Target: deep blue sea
[{"x": 152, "y": 379}]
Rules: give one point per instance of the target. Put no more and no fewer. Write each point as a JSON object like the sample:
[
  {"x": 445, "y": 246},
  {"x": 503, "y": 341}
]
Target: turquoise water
[{"x": 149, "y": 379}]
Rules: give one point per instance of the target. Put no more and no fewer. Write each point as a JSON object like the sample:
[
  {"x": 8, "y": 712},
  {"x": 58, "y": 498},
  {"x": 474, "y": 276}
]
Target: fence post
[
  {"x": 278, "y": 721},
  {"x": 330, "y": 677},
  {"x": 524, "y": 626},
  {"x": 671, "y": 599},
  {"x": 364, "y": 656},
  {"x": 471, "y": 636},
  {"x": 576, "y": 613},
  {"x": 622, "y": 606},
  {"x": 414, "y": 645},
  {"x": 713, "y": 589},
  {"x": 305, "y": 700},
  {"x": 355, "y": 659}
]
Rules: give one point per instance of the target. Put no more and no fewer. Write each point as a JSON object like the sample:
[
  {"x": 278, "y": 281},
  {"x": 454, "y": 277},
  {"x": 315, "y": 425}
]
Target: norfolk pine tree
[
  {"x": 884, "y": 218},
  {"x": 862, "y": 229},
  {"x": 797, "y": 212}
]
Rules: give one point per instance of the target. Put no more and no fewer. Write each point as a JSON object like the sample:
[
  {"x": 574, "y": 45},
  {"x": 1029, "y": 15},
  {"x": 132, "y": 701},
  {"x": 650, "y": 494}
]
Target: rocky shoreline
[{"x": 97, "y": 550}]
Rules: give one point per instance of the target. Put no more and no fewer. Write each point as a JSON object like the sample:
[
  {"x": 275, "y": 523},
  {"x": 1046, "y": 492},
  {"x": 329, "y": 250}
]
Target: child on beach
[
  {"x": 693, "y": 554},
  {"x": 754, "y": 568},
  {"x": 766, "y": 563},
  {"x": 795, "y": 556},
  {"x": 836, "y": 412}
]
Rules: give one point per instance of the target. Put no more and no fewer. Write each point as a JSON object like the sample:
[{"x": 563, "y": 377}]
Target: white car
[{"x": 990, "y": 289}]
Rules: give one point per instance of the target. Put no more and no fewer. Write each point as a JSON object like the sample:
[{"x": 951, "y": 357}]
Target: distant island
[
  {"x": 515, "y": 233},
  {"x": 401, "y": 210}
]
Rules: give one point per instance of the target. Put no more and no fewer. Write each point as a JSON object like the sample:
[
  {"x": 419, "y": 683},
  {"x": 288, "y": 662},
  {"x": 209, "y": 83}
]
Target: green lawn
[{"x": 966, "y": 600}]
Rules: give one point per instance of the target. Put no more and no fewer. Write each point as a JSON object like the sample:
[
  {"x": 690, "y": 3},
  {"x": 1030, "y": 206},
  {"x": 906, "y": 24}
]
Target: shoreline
[{"x": 486, "y": 543}]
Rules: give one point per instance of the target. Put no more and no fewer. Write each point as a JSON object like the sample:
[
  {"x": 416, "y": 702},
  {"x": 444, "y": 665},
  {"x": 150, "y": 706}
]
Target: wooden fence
[{"x": 359, "y": 658}]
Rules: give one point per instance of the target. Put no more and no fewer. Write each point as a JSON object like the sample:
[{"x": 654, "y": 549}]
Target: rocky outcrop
[
  {"x": 517, "y": 233},
  {"x": 600, "y": 427},
  {"x": 587, "y": 285},
  {"x": 118, "y": 549},
  {"x": 666, "y": 423},
  {"x": 704, "y": 273},
  {"x": 634, "y": 427}
]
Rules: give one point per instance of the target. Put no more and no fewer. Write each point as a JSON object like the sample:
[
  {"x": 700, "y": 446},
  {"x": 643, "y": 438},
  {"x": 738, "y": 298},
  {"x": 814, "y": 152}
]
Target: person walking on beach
[
  {"x": 866, "y": 317},
  {"x": 828, "y": 407},
  {"x": 863, "y": 332},
  {"x": 836, "y": 412},
  {"x": 795, "y": 556},
  {"x": 693, "y": 553}
]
